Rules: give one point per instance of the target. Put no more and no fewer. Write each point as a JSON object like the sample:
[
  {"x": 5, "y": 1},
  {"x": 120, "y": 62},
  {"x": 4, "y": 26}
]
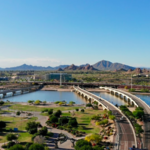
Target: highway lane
[
  {"x": 125, "y": 132},
  {"x": 146, "y": 138}
]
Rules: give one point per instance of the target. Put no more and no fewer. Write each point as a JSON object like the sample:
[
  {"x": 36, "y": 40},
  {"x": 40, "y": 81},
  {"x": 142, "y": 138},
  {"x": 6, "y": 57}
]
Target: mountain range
[{"x": 101, "y": 65}]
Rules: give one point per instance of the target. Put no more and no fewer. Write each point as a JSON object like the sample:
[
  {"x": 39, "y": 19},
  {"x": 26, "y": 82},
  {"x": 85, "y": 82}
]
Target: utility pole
[
  {"x": 60, "y": 79},
  {"x": 131, "y": 81}
]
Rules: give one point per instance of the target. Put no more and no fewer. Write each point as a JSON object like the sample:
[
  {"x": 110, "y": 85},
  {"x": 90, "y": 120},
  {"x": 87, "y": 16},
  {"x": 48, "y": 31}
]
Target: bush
[
  {"x": 1, "y": 103},
  {"x": 77, "y": 109},
  {"x": 81, "y": 143},
  {"x": 112, "y": 117},
  {"x": 73, "y": 122},
  {"x": 63, "y": 120},
  {"x": 132, "y": 90},
  {"x": 31, "y": 127},
  {"x": 17, "y": 147},
  {"x": 37, "y": 102},
  {"x": 50, "y": 111},
  {"x": 138, "y": 128},
  {"x": 2, "y": 124},
  {"x": 82, "y": 110},
  {"x": 18, "y": 113},
  {"x": 43, "y": 131},
  {"x": 89, "y": 105},
  {"x": 36, "y": 147},
  {"x": 27, "y": 146},
  {"x": 45, "y": 110},
  {"x": 145, "y": 90},
  {"x": 10, "y": 144},
  {"x": 53, "y": 119},
  {"x": 11, "y": 137},
  {"x": 57, "y": 113}
]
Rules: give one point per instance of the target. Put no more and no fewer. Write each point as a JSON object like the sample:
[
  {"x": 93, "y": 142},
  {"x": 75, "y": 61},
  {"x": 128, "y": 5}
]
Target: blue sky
[{"x": 54, "y": 32}]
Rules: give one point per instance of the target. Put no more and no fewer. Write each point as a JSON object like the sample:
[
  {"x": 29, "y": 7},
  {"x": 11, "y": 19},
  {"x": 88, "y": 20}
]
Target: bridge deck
[
  {"x": 125, "y": 130},
  {"x": 146, "y": 138}
]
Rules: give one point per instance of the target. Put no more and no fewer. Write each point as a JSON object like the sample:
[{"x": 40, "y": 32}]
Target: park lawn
[
  {"x": 37, "y": 108},
  {"x": 16, "y": 122},
  {"x": 84, "y": 119}
]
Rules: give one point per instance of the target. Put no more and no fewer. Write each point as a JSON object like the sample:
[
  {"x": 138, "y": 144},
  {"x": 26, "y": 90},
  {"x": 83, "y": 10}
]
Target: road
[
  {"x": 125, "y": 131},
  {"x": 146, "y": 138}
]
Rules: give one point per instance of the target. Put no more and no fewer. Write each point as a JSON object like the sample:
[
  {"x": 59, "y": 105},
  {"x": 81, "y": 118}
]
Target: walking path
[{"x": 50, "y": 143}]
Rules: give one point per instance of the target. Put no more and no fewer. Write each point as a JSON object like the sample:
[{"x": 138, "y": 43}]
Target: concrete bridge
[
  {"x": 122, "y": 95},
  {"x": 140, "y": 103},
  {"x": 126, "y": 135},
  {"x": 91, "y": 97},
  {"x": 21, "y": 90}
]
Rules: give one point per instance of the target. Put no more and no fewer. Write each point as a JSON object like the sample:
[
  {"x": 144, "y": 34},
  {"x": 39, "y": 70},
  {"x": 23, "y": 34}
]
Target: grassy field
[
  {"x": 39, "y": 109},
  {"x": 84, "y": 120},
  {"x": 16, "y": 122}
]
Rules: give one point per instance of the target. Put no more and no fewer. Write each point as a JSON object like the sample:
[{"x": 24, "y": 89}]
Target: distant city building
[
  {"x": 3, "y": 79},
  {"x": 56, "y": 76}
]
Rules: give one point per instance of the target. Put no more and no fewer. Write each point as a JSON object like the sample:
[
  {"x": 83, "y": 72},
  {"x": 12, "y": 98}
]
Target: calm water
[
  {"x": 52, "y": 96},
  {"x": 112, "y": 99},
  {"x": 49, "y": 96},
  {"x": 145, "y": 98}
]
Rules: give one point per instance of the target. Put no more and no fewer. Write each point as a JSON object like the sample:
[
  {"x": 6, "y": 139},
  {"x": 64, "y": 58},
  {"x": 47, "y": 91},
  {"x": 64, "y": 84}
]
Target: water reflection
[
  {"x": 111, "y": 98},
  {"x": 49, "y": 96}
]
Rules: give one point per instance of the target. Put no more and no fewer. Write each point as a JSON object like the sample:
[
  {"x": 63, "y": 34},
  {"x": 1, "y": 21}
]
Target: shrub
[
  {"x": 45, "y": 110},
  {"x": 77, "y": 109},
  {"x": 53, "y": 119},
  {"x": 43, "y": 131},
  {"x": 81, "y": 143},
  {"x": 16, "y": 147},
  {"x": 10, "y": 144},
  {"x": 63, "y": 120},
  {"x": 2, "y": 124},
  {"x": 11, "y": 137},
  {"x": 145, "y": 90},
  {"x": 27, "y": 146},
  {"x": 112, "y": 117},
  {"x": 50, "y": 111},
  {"x": 18, "y": 113},
  {"x": 73, "y": 122},
  {"x": 31, "y": 127},
  {"x": 36, "y": 147},
  {"x": 82, "y": 110},
  {"x": 132, "y": 90},
  {"x": 58, "y": 113},
  {"x": 1, "y": 103},
  {"x": 89, "y": 105}
]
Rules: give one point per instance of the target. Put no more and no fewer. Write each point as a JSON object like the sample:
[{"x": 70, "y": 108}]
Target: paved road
[
  {"x": 125, "y": 130},
  {"x": 146, "y": 138}
]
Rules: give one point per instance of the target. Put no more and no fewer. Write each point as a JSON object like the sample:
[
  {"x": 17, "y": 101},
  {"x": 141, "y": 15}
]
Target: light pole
[{"x": 131, "y": 81}]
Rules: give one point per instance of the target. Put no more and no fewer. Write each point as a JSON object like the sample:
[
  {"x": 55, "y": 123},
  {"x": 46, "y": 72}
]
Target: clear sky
[{"x": 54, "y": 32}]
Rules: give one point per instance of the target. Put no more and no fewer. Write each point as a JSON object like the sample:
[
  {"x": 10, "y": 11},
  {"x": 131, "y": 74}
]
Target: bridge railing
[
  {"x": 120, "y": 92},
  {"x": 98, "y": 98}
]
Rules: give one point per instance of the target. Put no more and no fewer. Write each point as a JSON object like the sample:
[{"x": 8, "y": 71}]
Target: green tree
[
  {"x": 37, "y": 102},
  {"x": 71, "y": 103},
  {"x": 36, "y": 147},
  {"x": 95, "y": 138},
  {"x": 31, "y": 127},
  {"x": 81, "y": 143},
  {"x": 17, "y": 147},
  {"x": 112, "y": 117},
  {"x": 11, "y": 137},
  {"x": 50, "y": 111}
]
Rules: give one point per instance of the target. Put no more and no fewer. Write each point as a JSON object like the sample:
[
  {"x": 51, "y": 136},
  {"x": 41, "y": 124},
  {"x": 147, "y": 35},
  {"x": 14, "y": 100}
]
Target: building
[
  {"x": 3, "y": 79},
  {"x": 56, "y": 76}
]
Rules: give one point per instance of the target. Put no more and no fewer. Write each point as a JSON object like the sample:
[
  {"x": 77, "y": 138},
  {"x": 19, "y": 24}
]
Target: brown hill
[
  {"x": 86, "y": 68},
  {"x": 60, "y": 69},
  {"x": 138, "y": 70}
]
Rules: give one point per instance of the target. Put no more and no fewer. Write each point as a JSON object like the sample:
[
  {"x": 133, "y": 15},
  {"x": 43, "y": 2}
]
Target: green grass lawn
[
  {"x": 37, "y": 108},
  {"x": 16, "y": 122},
  {"x": 84, "y": 120}
]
